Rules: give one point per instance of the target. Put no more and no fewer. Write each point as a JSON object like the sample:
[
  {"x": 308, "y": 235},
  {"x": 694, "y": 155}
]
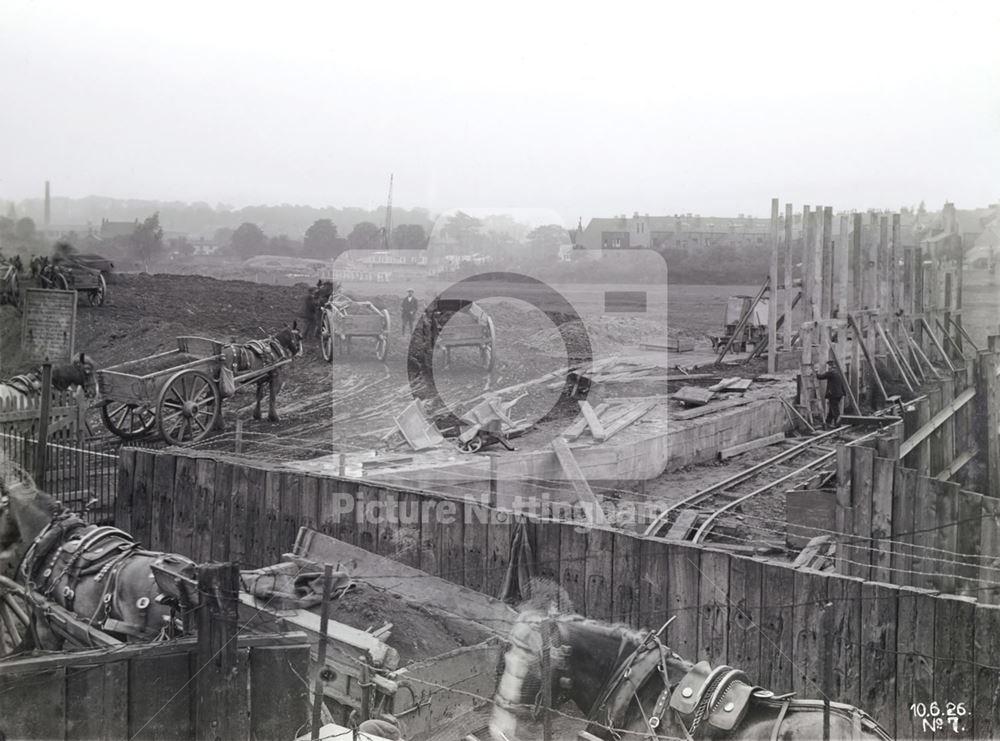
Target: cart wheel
[
  {"x": 381, "y": 347},
  {"x": 14, "y": 617},
  {"x": 96, "y": 296},
  {"x": 128, "y": 421},
  {"x": 188, "y": 407},
  {"x": 326, "y": 340},
  {"x": 59, "y": 281},
  {"x": 473, "y": 446}
]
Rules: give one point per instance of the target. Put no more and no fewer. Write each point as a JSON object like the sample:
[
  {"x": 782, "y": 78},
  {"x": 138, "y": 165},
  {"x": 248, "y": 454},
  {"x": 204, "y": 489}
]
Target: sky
[{"x": 578, "y": 109}]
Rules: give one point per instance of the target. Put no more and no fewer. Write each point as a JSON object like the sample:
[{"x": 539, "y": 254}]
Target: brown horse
[
  {"x": 631, "y": 682},
  {"x": 78, "y": 374},
  {"x": 100, "y": 574},
  {"x": 259, "y": 354}
]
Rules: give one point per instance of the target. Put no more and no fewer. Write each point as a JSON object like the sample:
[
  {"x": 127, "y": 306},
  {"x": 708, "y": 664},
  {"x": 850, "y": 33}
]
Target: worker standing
[
  {"x": 409, "y": 312},
  {"x": 836, "y": 390}
]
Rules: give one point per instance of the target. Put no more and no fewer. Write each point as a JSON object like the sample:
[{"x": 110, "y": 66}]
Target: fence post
[{"x": 219, "y": 702}]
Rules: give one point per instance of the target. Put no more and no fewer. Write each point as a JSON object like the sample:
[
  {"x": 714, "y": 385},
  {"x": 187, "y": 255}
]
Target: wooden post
[
  {"x": 894, "y": 257},
  {"x": 808, "y": 226},
  {"x": 987, "y": 416},
  {"x": 324, "y": 638},
  {"x": 841, "y": 264},
  {"x": 827, "y": 275},
  {"x": 239, "y": 435},
  {"x": 884, "y": 260},
  {"x": 818, "y": 277},
  {"x": 788, "y": 327},
  {"x": 44, "y": 411},
  {"x": 545, "y": 669},
  {"x": 907, "y": 304},
  {"x": 857, "y": 266},
  {"x": 772, "y": 305},
  {"x": 220, "y": 693}
]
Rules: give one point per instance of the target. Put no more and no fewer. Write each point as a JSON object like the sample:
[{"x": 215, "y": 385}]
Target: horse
[
  {"x": 629, "y": 684},
  {"x": 312, "y": 306},
  {"x": 258, "y": 355},
  {"x": 78, "y": 374},
  {"x": 98, "y": 573}
]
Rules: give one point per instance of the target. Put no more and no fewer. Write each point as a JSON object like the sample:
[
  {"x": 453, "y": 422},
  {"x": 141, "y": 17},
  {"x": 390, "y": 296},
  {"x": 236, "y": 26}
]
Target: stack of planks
[
  {"x": 609, "y": 418},
  {"x": 611, "y": 370}
]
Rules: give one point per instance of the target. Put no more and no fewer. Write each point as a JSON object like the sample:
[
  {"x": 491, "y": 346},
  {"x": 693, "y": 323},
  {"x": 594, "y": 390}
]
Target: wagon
[
  {"x": 345, "y": 319},
  {"x": 74, "y": 277},
  {"x": 465, "y": 325},
  {"x": 10, "y": 292},
  {"x": 177, "y": 391}
]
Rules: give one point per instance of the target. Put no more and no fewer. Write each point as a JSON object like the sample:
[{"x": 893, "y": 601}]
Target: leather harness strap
[{"x": 780, "y": 719}]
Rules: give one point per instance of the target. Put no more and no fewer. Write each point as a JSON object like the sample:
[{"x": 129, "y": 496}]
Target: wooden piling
[
  {"x": 788, "y": 328},
  {"x": 772, "y": 308}
]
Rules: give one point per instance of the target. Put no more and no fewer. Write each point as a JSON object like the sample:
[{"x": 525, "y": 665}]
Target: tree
[
  {"x": 223, "y": 237},
  {"x": 24, "y": 230},
  {"x": 461, "y": 227},
  {"x": 364, "y": 236},
  {"x": 146, "y": 241},
  {"x": 548, "y": 239},
  {"x": 320, "y": 239},
  {"x": 283, "y": 245},
  {"x": 248, "y": 240},
  {"x": 409, "y": 237}
]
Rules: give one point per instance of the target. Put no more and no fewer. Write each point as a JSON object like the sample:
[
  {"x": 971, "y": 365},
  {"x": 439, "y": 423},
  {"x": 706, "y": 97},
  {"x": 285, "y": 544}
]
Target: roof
[
  {"x": 684, "y": 223},
  {"x": 117, "y": 228},
  {"x": 990, "y": 237}
]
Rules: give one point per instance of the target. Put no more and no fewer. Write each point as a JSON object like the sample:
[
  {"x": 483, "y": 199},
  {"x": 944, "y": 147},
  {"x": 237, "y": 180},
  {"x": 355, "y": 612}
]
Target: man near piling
[
  {"x": 409, "y": 313},
  {"x": 836, "y": 390}
]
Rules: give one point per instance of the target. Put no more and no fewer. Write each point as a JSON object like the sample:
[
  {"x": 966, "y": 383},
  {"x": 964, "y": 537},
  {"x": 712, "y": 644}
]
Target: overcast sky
[{"x": 587, "y": 110}]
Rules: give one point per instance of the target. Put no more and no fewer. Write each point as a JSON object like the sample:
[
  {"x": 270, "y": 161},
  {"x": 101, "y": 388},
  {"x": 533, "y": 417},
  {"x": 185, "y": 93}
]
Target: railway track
[{"x": 716, "y": 509}]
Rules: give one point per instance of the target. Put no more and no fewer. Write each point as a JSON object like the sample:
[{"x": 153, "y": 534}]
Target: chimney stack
[{"x": 48, "y": 204}]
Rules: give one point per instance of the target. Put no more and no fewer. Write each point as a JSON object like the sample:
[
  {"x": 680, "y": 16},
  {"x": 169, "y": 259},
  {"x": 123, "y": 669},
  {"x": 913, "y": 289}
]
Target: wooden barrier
[
  {"x": 887, "y": 645},
  {"x": 150, "y": 691}
]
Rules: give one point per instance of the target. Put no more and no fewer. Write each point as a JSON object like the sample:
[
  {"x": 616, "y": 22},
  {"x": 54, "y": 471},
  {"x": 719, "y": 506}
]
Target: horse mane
[{"x": 619, "y": 629}]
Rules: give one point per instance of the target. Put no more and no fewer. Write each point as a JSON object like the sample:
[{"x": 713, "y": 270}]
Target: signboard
[{"x": 49, "y": 326}]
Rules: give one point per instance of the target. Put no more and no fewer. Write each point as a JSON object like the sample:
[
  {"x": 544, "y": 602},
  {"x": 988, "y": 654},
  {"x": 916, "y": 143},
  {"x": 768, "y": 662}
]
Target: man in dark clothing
[
  {"x": 409, "y": 312},
  {"x": 836, "y": 390}
]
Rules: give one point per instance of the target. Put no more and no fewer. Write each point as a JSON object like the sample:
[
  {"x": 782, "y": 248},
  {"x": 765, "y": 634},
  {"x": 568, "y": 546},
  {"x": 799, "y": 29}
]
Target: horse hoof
[{"x": 273, "y": 418}]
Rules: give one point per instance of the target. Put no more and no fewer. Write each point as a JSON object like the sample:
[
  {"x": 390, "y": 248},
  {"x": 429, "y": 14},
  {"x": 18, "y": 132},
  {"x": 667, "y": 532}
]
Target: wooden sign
[{"x": 49, "y": 327}]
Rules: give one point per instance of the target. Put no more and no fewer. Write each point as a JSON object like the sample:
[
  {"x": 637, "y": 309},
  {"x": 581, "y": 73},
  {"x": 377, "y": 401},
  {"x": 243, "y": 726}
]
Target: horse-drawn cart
[
  {"x": 345, "y": 319},
  {"x": 465, "y": 325},
  {"x": 179, "y": 392},
  {"x": 70, "y": 276}
]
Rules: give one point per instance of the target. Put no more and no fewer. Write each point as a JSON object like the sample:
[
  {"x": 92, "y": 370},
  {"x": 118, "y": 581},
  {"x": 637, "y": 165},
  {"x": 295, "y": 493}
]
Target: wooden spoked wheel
[
  {"x": 96, "y": 295},
  {"x": 189, "y": 407},
  {"x": 326, "y": 339},
  {"x": 487, "y": 353},
  {"x": 128, "y": 421},
  {"x": 382, "y": 346},
  {"x": 472, "y": 446},
  {"x": 14, "y": 616}
]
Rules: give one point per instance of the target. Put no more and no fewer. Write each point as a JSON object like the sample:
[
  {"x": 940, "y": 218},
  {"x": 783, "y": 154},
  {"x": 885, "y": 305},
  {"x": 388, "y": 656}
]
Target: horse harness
[
  {"x": 69, "y": 550},
  {"x": 720, "y": 697},
  {"x": 24, "y": 384},
  {"x": 266, "y": 351}
]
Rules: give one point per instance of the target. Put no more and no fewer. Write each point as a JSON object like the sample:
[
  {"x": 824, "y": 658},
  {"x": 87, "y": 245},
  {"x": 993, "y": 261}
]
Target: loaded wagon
[
  {"x": 345, "y": 319},
  {"x": 465, "y": 324},
  {"x": 179, "y": 392},
  {"x": 70, "y": 276}
]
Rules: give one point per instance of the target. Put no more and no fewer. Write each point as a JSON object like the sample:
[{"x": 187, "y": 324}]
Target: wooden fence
[
  {"x": 149, "y": 692},
  {"x": 19, "y": 414},
  {"x": 886, "y": 646}
]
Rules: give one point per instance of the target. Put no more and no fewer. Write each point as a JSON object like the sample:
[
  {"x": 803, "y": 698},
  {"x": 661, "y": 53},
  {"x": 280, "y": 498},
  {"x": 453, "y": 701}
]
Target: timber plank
[
  {"x": 599, "y": 574},
  {"x": 924, "y": 524},
  {"x": 475, "y": 540},
  {"x": 986, "y": 719},
  {"x": 204, "y": 510},
  {"x": 882, "y": 489},
  {"x": 809, "y": 646},
  {"x": 408, "y": 530},
  {"x": 844, "y": 602},
  {"x": 94, "y": 702},
  {"x": 289, "y": 511},
  {"x": 142, "y": 498},
  {"x": 946, "y": 496},
  {"x": 862, "y": 475},
  {"x": 123, "y": 496},
  {"x": 546, "y": 536},
  {"x": 989, "y": 547},
  {"x": 239, "y": 513},
  {"x": 431, "y": 532},
  {"x": 573, "y": 566},
  {"x": 221, "y": 524},
  {"x": 878, "y": 653},
  {"x": 497, "y": 558},
  {"x": 683, "y": 585},
  {"x": 845, "y": 510},
  {"x": 309, "y": 512},
  {"x": 451, "y": 544},
  {"x": 184, "y": 496},
  {"x": 160, "y": 705},
  {"x": 625, "y": 577},
  {"x": 713, "y": 607},
  {"x": 273, "y": 714},
  {"x": 776, "y": 634},
  {"x": 33, "y": 706},
  {"x": 914, "y": 657},
  {"x": 260, "y": 523},
  {"x": 162, "y": 502},
  {"x": 237, "y": 711},
  {"x": 903, "y": 509},
  {"x": 366, "y": 517},
  {"x": 954, "y": 650},
  {"x": 269, "y": 544},
  {"x": 970, "y": 516},
  {"x": 388, "y": 522},
  {"x": 745, "y": 593},
  {"x": 654, "y": 607}
]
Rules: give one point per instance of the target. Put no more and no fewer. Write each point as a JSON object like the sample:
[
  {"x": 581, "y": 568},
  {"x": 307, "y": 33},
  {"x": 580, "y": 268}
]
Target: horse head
[
  {"x": 81, "y": 373},
  {"x": 290, "y": 338},
  {"x": 584, "y": 658},
  {"x": 25, "y": 511}
]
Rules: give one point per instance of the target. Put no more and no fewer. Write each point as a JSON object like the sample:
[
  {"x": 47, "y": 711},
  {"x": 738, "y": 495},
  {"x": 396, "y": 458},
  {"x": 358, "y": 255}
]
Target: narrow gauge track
[{"x": 695, "y": 517}]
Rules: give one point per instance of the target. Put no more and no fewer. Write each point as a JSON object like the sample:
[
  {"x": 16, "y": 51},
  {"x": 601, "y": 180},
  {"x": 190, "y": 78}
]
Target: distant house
[
  {"x": 111, "y": 230},
  {"x": 687, "y": 232}
]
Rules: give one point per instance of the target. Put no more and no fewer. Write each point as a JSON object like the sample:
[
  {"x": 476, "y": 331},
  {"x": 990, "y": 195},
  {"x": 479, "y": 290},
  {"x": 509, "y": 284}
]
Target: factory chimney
[{"x": 48, "y": 205}]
